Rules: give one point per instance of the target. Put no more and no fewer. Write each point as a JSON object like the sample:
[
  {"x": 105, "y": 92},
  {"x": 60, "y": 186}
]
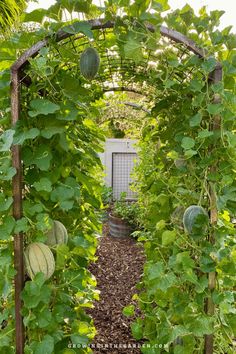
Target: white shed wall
[{"x": 112, "y": 147}]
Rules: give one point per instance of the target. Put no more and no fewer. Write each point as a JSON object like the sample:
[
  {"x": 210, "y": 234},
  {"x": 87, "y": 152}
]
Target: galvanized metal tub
[{"x": 119, "y": 227}]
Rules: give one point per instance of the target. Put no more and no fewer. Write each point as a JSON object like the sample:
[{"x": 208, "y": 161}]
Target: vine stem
[{"x": 210, "y": 306}]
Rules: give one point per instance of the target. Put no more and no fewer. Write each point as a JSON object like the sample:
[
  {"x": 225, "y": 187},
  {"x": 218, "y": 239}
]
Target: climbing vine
[
  {"x": 60, "y": 141},
  {"x": 178, "y": 146}
]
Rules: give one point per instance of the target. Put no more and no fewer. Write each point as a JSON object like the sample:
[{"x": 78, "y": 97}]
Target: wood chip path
[{"x": 117, "y": 270}]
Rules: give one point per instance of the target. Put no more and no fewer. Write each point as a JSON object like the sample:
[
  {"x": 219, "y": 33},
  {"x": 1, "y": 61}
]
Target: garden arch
[{"x": 19, "y": 77}]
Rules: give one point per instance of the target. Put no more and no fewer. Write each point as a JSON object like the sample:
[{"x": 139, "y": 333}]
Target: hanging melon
[
  {"x": 89, "y": 63},
  {"x": 39, "y": 258},
  {"x": 57, "y": 234},
  {"x": 192, "y": 217}
]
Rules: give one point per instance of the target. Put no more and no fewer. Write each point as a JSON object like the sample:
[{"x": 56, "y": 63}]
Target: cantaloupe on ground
[{"x": 39, "y": 258}]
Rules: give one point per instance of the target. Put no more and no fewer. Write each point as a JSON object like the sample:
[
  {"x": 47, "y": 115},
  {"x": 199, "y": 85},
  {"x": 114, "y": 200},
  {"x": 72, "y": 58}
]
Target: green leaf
[
  {"x": 185, "y": 259},
  {"x": 128, "y": 310},
  {"x": 137, "y": 329},
  {"x": 214, "y": 108},
  {"x": 187, "y": 143},
  {"x": 35, "y": 292},
  {"x": 195, "y": 121},
  {"x": 66, "y": 204},
  {"x": 160, "y": 5},
  {"x": 62, "y": 255},
  {"x": 209, "y": 65},
  {"x": 155, "y": 270},
  {"x": 6, "y": 339},
  {"x": 7, "y": 172},
  {"x": 72, "y": 88},
  {"x": 196, "y": 85},
  {"x": 168, "y": 237},
  {"x": 231, "y": 41},
  {"x": 6, "y": 140},
  {"x": 5, "y": 203},
  {"x": 31, "y": 208},
  {"x": 35, "y": 16},
  {"x": 189, "y": 153},
  {"x": 42, "y": 106},
  {"x": 41, "y": 157},
  {"x": 160, "y": 225},
  {"x": 62, "y": 193},
  {"x": 79, "y": 27},
  {"x": 6, "y": 228},
  {"x": 205, "y": 134},
  {"x": 166, "y": 281},
  {"x": 133, "y": 50},
  {"x": 201, "y": 326},
  {"x": 20, "y": 137},
  {"x": 44, "y": 184},
  {"x": 46, "y": 346},
  {"x": 179, "y": 331},
  {"x": 202, "y": 284},
  {"x": 207, "y": 264},
  {"x": 231, "y": 138},
  {"x": 44, "y": 318},
  {"x": 49, "y": 131},
  {"x": 22, "y": 225},
  {"x": 79, "y": 340},
  {"x": 44, "y": 223}
]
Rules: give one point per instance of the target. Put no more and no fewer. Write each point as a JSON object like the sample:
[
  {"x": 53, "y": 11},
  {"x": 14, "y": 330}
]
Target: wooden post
[
  {"x": 210, "y": 307},
  {"x": 17, "y": 213}
]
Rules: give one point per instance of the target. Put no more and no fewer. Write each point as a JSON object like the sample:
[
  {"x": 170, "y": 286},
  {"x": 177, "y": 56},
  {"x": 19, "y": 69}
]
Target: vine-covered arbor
[{"x": 50, "y": 104}]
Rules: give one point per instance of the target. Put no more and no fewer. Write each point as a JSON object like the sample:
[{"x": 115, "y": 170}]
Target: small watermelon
[
  {"x": 57, "y": 234},
  {"x": 191, "y": 219},
  {"x": 39, "y": 258},
  {"x": 89, "y": 63}
]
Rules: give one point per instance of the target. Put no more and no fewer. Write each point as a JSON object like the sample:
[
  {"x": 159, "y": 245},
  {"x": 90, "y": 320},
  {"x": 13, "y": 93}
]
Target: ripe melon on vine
[
  {"x": 57, "y": 234},
  {"x": 39, "y": 258},
  {"x": 89, "y": 63},
  {"x": 194, "y": 220}
]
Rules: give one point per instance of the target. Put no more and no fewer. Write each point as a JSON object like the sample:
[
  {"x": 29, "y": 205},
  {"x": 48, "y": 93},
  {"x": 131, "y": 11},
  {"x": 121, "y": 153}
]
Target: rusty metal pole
[
  {"x": 17, "y": 213},
  {"x": 210, "y": 307}
]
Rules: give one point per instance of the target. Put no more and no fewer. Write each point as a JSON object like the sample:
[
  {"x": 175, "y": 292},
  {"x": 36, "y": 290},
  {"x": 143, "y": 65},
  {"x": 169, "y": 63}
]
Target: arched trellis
[{"x": 18, "y": 77}]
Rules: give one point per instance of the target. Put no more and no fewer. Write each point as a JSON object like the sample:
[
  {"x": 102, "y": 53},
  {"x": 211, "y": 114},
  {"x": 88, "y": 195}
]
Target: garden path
[{"x": 117, "y": 270}]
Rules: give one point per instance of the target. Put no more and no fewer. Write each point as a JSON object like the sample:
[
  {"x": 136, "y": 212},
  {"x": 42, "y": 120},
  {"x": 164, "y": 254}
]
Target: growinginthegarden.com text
[{"x": 117, "y": 345}]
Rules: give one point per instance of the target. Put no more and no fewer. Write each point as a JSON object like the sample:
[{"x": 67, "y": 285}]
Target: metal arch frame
[{"x": 16, "y": 69}]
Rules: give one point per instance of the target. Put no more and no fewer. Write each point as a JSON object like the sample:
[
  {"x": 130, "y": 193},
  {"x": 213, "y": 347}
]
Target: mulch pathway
[{"x": 117, "y": 270}]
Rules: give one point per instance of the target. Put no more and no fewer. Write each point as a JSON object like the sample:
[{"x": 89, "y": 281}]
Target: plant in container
[{"x": 123, "y": 218}]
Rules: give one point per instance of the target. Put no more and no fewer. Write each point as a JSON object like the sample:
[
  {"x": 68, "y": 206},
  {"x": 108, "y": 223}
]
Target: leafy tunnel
[{"x": 51, "y": 101}]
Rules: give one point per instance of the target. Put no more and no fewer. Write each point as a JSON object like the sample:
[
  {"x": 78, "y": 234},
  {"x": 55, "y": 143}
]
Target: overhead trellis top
[{"x": 122, "y": 67}]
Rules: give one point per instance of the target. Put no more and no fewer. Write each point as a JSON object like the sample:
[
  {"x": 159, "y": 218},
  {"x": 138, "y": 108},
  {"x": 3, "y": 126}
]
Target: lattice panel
[{"x": 122, "y": 167}]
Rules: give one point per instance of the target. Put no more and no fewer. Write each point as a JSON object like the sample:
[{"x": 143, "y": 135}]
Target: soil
[{"x": 117, "y": 270}]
